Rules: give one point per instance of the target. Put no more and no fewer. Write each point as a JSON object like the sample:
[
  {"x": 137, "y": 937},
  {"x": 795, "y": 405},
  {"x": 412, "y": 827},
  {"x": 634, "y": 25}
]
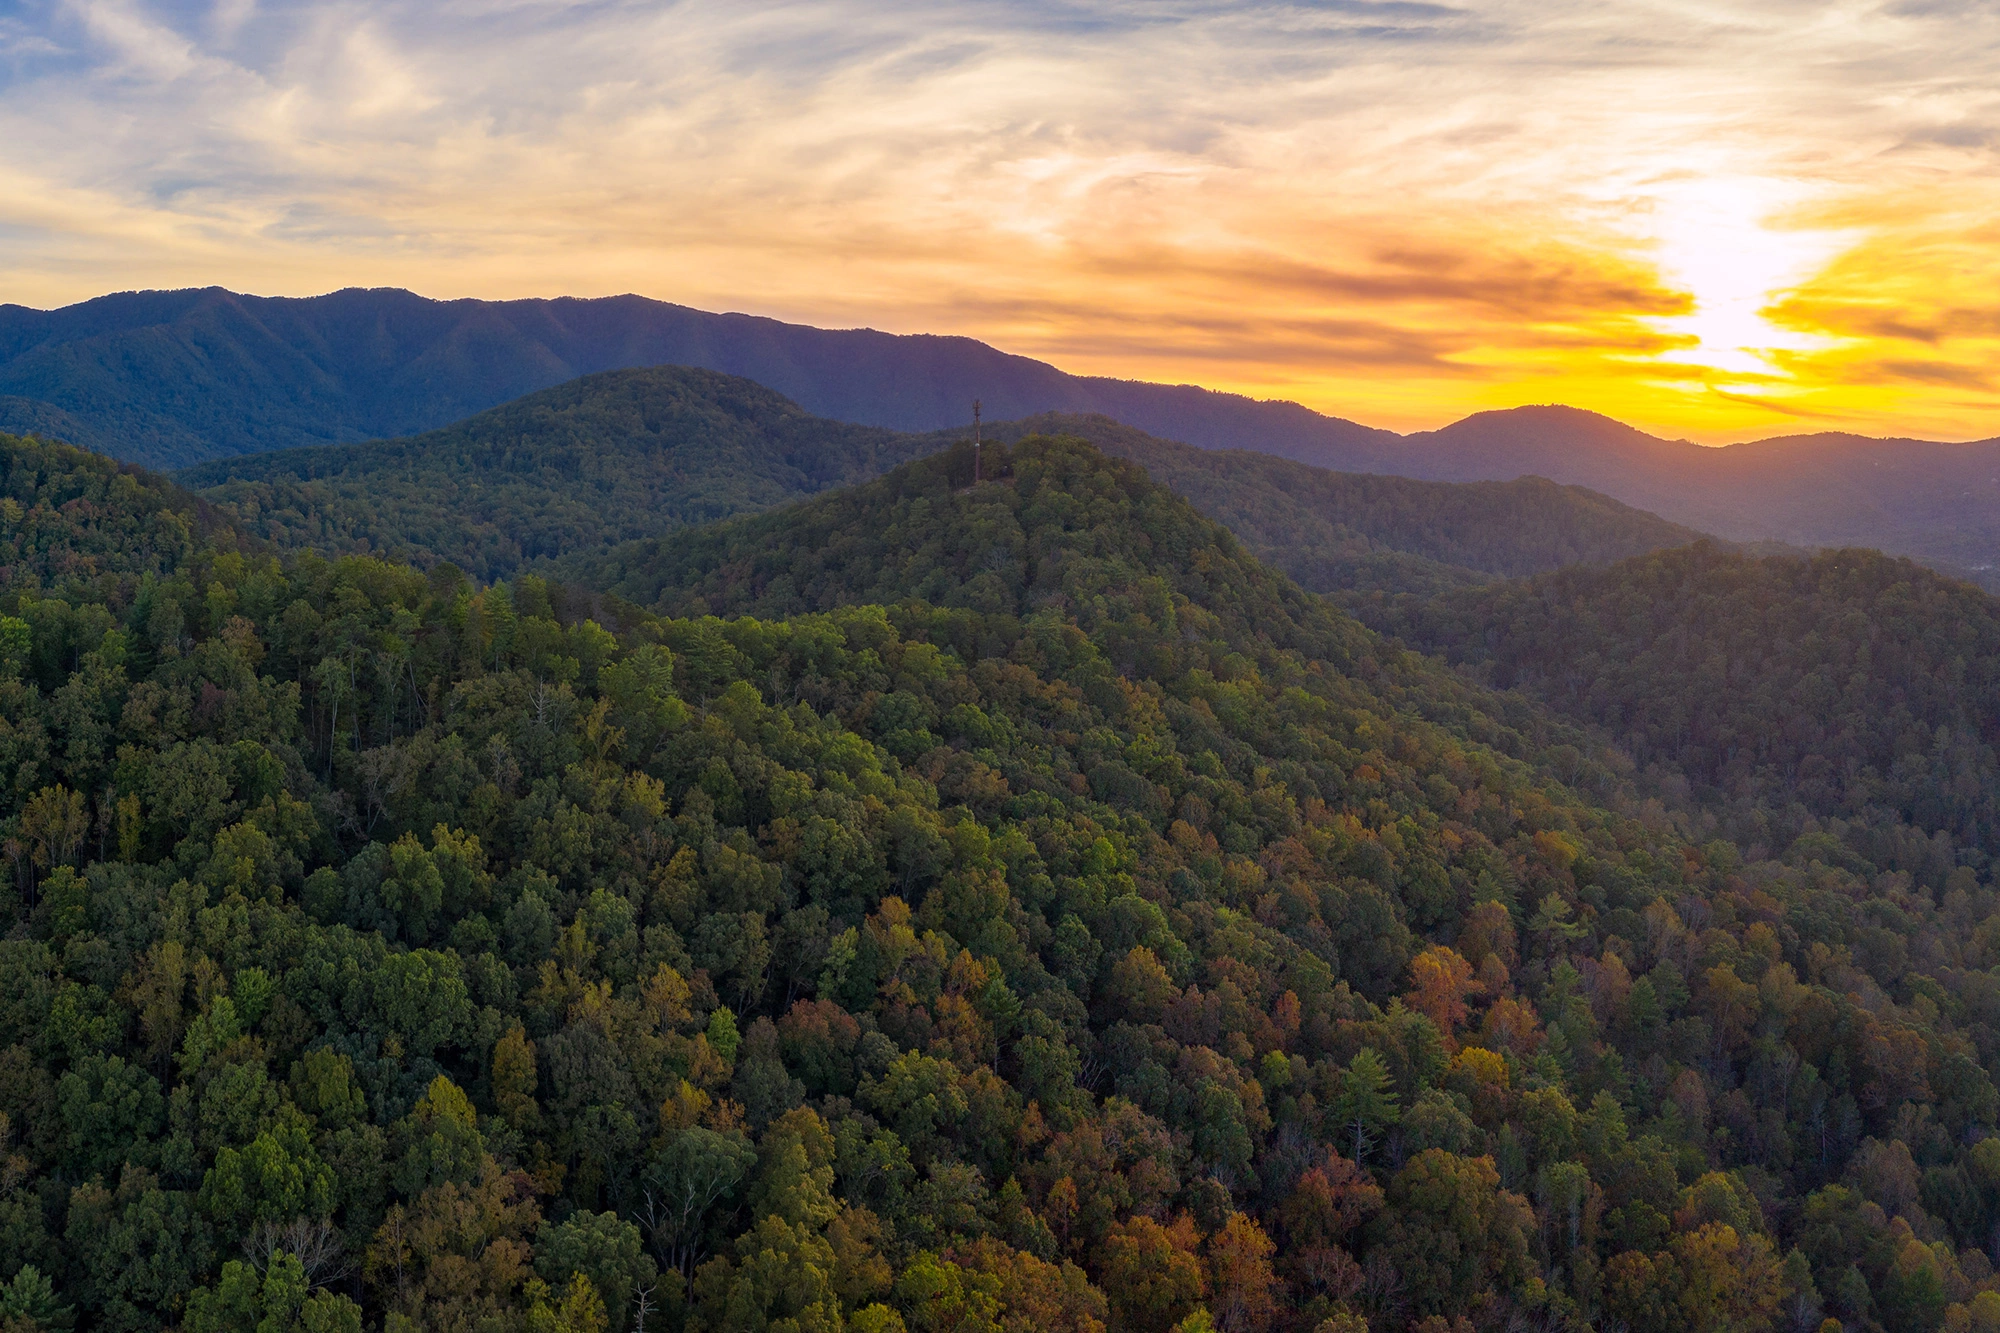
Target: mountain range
[
  {"x": 1938, "y": 502},
  {"x": 1337, "y": 532},
  {"x": 632, "y": 454},
  {"x": 169, "y": 379},
  {"x": 172, "y": 378}
]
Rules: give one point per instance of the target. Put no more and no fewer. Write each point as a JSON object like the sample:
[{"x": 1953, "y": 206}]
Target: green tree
[
  {"x": 1152, "y": 1274},
  {"x": 110, "y": 1111},
  {"x": 30, "y": 1301},
  {"x": 604, "y": 1249},
  {"x": 780, "y": 1279},
  {"x": 277, "y": 1177},
  {"x": 277, "y": 1301},
  {"x": 577, "y": 1310},
  {"x": 1366, "y": 1105},
  {"x": 696, "y": 1170},
  {"x": 1453, "y": 1233},
  {"x": 440, "y": 1140}
]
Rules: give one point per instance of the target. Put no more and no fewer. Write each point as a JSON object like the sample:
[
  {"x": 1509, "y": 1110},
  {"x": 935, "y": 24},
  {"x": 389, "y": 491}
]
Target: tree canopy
[
  {"x": 936, "y": 906},
  {"x": 1841, "y": 704}
]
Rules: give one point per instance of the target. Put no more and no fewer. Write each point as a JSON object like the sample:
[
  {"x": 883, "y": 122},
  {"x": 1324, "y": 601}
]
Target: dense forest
[
  {"x": 1026, "y": 911},
  {"x": 1847, "y": 694},
  {"x": 598, "y": 460}
]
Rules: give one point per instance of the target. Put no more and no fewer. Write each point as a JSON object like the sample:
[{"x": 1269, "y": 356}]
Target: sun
[{"x": 1722, "y": 240}]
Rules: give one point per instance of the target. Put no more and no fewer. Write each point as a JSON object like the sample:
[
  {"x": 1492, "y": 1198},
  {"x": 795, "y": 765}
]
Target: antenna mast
[{"x": 975, "y": 442}]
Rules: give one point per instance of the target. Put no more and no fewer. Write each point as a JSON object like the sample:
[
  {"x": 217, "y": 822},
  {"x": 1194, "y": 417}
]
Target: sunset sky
[{"x": 1716, "y": 220}]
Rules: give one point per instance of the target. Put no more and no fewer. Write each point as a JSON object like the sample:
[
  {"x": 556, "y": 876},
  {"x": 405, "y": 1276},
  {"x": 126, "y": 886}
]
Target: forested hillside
[
  {"x": 1041, "y": 917},
  {"x": 1847, "y": 692},
  {"x": 601, "y": 459},
  {"x": 70, "y": 515}
]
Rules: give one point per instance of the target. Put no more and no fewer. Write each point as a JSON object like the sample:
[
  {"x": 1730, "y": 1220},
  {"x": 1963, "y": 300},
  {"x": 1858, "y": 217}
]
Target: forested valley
[{"x": 943, "y": 907}]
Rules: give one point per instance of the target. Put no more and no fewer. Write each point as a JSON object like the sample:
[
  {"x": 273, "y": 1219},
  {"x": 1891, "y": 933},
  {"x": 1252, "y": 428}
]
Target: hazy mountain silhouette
[
  {"x": 174, "y": 378},
  {"x": 1939, "y": 502}
]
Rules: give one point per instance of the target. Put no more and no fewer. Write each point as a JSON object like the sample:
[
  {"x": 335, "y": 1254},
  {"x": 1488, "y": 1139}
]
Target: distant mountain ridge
[
  {"x": 172, "y": 378},
  {"x": 1936, "y": 501}
]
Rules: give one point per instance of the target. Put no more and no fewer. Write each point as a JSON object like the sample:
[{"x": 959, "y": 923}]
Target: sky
[{"x": 1718, "y": 221}]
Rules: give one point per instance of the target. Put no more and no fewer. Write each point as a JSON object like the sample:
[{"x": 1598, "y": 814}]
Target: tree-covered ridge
[
  {"x": 597, "y": 460},
  {"x": 1334, "y": 531},
  {"x": 634, "y": 454},
  {"x": 1849, "y": 691},
  {"x": 71, "y": 516},
  {"x": 1081, "y": 955},
  {"x": 1054, "y": 523}
]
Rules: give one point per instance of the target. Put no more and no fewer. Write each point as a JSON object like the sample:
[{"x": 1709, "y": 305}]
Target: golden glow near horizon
[{"x": 1714, "y": 220}]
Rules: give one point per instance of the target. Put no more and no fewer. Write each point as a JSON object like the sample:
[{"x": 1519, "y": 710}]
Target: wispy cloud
[{"x": 1684, "y": 212}]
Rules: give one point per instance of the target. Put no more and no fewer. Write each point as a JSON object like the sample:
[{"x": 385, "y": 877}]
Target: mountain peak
[
  {"x": 1514, "y": 424},
  {"x": 1058, "y": 524}
]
